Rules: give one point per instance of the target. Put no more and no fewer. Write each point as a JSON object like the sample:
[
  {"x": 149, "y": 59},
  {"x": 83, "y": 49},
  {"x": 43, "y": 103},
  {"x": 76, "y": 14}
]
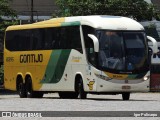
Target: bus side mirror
[
  {"x": 155, "y": 44},
  {"x": 95, "y": 42}
]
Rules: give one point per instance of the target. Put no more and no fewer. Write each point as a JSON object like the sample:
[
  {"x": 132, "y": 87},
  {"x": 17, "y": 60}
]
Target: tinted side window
[
  {"x": 51, "y": 38},
  {"x": 44, "y": 39},
  {"x": 87, "y": 30},
  {"x": 57, "y": 38},
  {"x": 38, "y": 38},
  {"x": 18, "y": 40},
  {"x": 10, "y": 44},
  {"x": 91, "y": 55},
  {"x": 75, "y": 38},
  {"x": 63, "y": 38}
]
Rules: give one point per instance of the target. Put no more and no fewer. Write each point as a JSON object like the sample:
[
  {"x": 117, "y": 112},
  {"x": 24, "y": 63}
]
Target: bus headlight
[
  {"x": 103, "y": 77},
  {"x": 146, "y": 78}
]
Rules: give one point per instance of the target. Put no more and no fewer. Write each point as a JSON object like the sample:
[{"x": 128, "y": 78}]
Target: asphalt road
[{"x": 52, "y": 102}]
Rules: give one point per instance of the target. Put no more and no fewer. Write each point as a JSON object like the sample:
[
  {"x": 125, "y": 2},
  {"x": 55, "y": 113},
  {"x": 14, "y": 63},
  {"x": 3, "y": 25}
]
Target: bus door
[{"x": 155, "y": 78}]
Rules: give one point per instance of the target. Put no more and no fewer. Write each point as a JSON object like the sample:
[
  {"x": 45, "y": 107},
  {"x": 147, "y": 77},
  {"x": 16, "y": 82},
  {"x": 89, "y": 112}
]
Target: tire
[
  {"x": 29, "y": 89},
  {"x": 82, "y": 93},
  {"x": 22, "y": 90},
  {"x": 125, "y": 96}
]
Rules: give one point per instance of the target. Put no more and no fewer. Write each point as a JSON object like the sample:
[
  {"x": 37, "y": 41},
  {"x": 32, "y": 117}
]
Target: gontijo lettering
[{"x": 31, "y": 58}]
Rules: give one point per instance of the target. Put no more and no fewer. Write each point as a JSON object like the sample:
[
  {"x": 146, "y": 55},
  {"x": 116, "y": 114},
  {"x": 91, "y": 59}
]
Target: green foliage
[
  {"x": 5, "y": 10},
  {"x": 138, "y": 9}
]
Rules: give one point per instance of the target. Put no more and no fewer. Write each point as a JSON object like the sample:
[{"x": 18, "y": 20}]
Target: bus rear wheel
[
  {"x": 126, "y": 96},
  {"x": 29, "y": 90},
  {"x": 22, "y": 90}
]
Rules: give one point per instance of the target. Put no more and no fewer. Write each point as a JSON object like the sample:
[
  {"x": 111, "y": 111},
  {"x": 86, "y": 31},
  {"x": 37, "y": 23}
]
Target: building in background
[{"x": 42, "y": 9}]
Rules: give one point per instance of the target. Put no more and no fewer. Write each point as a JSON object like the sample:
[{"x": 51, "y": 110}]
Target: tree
[
  {"x": 5, "y": 11},
  {"x": 137, "y": 9}
]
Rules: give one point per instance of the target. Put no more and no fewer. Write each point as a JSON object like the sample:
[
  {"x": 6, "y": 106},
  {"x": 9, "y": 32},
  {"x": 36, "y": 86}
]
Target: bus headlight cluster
[
  {"x": 103, "y": 77},
  {"x": 146, "y": 78}
]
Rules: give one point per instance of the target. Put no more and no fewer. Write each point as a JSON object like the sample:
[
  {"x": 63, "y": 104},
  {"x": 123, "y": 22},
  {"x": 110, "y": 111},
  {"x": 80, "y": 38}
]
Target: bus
[
  {"x": 155, "y": 78},
  {"x": 152, "y": 28},
  {"x": 155, "y": 71},
  {"x": 77, "y": 55}
]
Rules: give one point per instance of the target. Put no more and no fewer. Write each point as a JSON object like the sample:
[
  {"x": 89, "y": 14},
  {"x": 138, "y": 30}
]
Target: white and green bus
[{"x": 75, "y": 56}]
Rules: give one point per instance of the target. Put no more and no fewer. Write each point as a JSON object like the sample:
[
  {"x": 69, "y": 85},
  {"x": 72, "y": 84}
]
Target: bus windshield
[{"x": 122, "y": 51}]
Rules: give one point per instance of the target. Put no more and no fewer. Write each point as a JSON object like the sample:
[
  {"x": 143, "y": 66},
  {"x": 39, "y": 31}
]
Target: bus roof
[{"x": 95, "y": 21}]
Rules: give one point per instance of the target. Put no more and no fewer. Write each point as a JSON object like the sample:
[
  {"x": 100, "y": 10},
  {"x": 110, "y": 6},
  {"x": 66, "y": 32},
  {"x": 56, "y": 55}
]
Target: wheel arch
[
  {"x": 28, "y": 75},
  {"x": 77, "y": 78}
]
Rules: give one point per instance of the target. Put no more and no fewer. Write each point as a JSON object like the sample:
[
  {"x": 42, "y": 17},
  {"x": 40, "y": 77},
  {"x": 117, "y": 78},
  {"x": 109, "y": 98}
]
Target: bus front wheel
[
  {"x": 82, "y": 93},
  {"x": 126, "y": 96}
]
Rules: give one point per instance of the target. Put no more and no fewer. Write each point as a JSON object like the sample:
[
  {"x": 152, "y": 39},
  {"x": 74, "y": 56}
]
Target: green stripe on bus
[
  {"x": 56, "y": 66},
  {"x": 70, "y": 23},
  {"x": 137, "y": 76}
]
